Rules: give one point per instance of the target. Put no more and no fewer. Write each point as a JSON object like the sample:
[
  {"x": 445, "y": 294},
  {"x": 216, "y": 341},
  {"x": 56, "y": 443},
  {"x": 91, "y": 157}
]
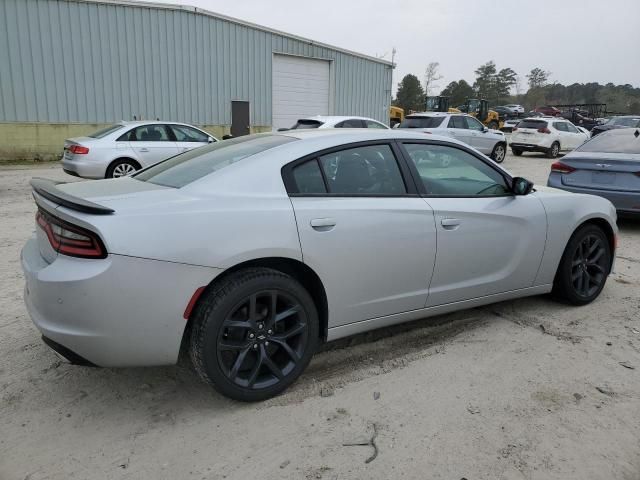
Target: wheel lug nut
[
  {"x": 266, "y": 344},
  {"x": 255, "y": 345},
  {"x": 260, "y": 326},
  {"x": 251, "y": 335},
  {"x": 269, "y": 332}
]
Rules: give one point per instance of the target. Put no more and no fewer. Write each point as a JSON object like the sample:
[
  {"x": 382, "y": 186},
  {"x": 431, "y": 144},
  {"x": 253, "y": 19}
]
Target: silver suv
[{"x": 462, "y": 127}]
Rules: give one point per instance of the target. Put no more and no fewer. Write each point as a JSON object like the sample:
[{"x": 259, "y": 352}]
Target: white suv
[
  {"x": 462, "y": 127},
  {"x": 550, "y": 135}
]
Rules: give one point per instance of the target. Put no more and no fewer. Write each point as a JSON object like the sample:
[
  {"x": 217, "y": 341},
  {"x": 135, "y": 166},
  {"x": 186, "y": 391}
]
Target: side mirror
[
  {"x": 283, "y": 129},
  {"x": 485, "y": 129},
  {"x": 521, "y": 186},
  {"x": 210, "y": 139}
]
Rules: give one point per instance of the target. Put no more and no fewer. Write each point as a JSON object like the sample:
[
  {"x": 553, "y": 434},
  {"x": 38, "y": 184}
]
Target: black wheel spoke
[
  {"x": 226, "y": 344},
  {"x": 233, "y": 374},
  {"x": 253, "y": 309},
  {"x": 585, "y": 282},
  {"x": 285, "y": 346},
  {"x": 292, "y": 332},
  {"x": 596, "y": 257},
  {"x": 595, "y": 266},
  {"x": 237, "y": 324},
  {"x": 266, "y": 360},
  {"x": 273, "y": 308},
  {"x": 594, "y": 246},
  {"x": 287, "y": 313},
  {"x": 255, "y": 371}
]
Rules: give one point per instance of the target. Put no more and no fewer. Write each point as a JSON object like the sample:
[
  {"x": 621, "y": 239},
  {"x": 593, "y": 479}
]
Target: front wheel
[
  {"x": 254, "y": 334},
  {"x": 499, "y": 152},
  {"x": 584, "y": 266},
  {"x": 121, "y": 168}
]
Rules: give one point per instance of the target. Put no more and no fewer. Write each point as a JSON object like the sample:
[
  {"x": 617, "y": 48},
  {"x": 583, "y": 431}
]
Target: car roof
[
  {"x": 432, "y": 114},
  {"x": 131, "y": 123},
  {"x": 362, "y": 134},
  {"x": 336, "y": 118}
]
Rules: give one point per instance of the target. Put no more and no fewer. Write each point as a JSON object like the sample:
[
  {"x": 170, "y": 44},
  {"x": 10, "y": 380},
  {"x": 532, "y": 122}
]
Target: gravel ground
[{"x": 526, "y": 389}]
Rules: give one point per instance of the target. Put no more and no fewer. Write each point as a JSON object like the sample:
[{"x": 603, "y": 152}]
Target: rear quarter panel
[{"x": 565, "y": 213}]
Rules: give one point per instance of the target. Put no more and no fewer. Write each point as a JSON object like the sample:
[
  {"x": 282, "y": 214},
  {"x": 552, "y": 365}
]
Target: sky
[{"x": 576, "y": 40}]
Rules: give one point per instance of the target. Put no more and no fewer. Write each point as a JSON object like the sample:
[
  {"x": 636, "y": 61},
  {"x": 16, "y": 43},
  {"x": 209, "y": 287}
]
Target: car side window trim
[
  {"x": 405, "y": 173},
  {"x": 416, "y": 176}
]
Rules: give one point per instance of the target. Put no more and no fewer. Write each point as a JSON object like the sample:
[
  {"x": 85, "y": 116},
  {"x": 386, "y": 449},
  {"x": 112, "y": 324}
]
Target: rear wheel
[
  {"x": 254, "y": 334},
  {"x": 517, "y": 152},
  {"x": 122, "y": 168},
  {"x": 554, "y": 150},
  {"x": 584, "y": 266},
  {"x": 499, "y": 152}
]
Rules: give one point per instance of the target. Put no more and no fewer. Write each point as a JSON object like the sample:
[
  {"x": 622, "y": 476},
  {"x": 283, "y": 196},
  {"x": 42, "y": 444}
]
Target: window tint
[
  {"x": 105, "y": 131},
  {"x": 536, "y": 124},
  {"x": 371, "y": 124},
  {"x": 457, "y": 121},
  {"x": 188, "y": 134},
  {"x": 474, "y": 124},
  {"x": 571, "y": 128},
  {"x": 613, "y": 141},
  {"x": 561, "y": 126},
  {"x": 366, "y": 170},
  {"x": 300, "y": 124},
  {"x": 147, "y": 133},
  {"x": 351, "y": 123},
  {"x": 450, "y": 171},
  {"x": 308, "y": 178},
  {"x": 421, "y": 122},
  {"x": 185, "y": 168}
]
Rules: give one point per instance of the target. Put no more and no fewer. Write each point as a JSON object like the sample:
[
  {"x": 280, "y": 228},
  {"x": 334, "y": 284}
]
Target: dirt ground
[{"x": 526, "y": 389}]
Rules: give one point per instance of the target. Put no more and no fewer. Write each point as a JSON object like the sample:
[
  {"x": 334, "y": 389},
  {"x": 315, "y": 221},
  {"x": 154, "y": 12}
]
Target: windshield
[
  {"x": 421, "y": 122},
  {"x": 105, "y": 131},
  {"x": 613, "y": 141},
  {"x": 183, "y": 169},
  {"x": 625, "y": 121},
  {"x": 306, "y": 124}
]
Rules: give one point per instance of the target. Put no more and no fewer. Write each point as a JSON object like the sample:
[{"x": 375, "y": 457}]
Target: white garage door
[{"x": 300, "y": 89}]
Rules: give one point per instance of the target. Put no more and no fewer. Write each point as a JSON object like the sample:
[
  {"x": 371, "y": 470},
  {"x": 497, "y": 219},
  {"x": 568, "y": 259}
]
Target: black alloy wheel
[{"x": 262, "y": 340}]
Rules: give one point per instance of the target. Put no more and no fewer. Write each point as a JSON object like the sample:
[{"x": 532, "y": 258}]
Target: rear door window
[
  {"x": 188, "y": 134},
  {"x": 457, "y": 121},
  {"x": 372, "y": 124},
  {"x": 560, "y": 126},
  {"x": 351, "y": 123}
]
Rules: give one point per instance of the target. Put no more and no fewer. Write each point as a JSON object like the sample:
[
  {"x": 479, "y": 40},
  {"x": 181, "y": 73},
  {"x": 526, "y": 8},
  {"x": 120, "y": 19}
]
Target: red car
[{"x": 553, "y": 111}]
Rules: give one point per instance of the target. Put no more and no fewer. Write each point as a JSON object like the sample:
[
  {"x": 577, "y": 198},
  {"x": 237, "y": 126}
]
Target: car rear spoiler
[{"x": 49, "y": 190}]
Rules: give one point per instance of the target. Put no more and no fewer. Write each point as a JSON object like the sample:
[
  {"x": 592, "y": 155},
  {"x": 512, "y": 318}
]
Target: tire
[
  {"x": 554, "y": 150},
  {"x": 516, "y": 152},
  {"x": 122, "y": 167},
  {"x": 260, "y": 356},
  {"x": 493, "y": 125},
  {"x": 586, "y": 258},
  {"x": 499, "y": 152}
]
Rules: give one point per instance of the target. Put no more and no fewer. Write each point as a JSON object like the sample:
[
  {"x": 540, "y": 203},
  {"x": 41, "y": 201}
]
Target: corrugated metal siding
[{"x": 65, "y": 61}]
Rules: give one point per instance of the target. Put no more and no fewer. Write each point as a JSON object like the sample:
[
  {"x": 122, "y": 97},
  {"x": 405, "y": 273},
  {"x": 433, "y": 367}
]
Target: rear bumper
[
  {"x": 84, "y": 168},
  {"x": 626, "y": 203},
  {"x": 114, "y": 312},
  {"x": 528, "y": 147}
]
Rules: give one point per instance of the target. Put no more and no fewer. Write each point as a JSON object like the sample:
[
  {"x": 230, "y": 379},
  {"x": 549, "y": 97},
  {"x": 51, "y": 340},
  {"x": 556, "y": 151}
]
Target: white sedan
[
  {"x": 125, "y": 147},
  {"x": 250, "y": 253},
  {"x": 322, "y": 121}
]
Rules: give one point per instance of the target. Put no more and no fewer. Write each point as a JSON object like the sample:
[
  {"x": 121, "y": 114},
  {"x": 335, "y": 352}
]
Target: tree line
[{"x": 504, "y": 86}]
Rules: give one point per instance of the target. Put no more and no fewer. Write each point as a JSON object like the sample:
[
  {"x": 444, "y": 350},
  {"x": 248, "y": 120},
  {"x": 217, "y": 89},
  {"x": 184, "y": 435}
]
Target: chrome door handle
[
  {"x": 450, "y": 223},
  {"x": 143, "y": 150},
  {"x": 323, "y": 224}
]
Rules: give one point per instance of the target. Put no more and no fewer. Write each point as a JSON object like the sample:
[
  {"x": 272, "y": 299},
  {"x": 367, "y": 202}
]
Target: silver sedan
[
  {"x": 125, "y": 147},
  {"x": 251, "y": 252}
]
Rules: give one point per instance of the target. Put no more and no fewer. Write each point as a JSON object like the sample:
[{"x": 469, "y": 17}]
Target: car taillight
[
  {"x": 78, "y": 149},
  {"x": 560, "y": 167},
  {"x": 544, "y": 130},
  {"x": 70, "y": 239}
]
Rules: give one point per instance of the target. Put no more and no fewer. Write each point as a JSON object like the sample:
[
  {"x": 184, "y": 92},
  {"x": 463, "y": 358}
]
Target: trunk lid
[{"x": 612, "y": 171}]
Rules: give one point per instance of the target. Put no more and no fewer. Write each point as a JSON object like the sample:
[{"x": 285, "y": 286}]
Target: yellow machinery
[
  {"x": 396, "y": 115},
  {"x": 480, "y": 110}
]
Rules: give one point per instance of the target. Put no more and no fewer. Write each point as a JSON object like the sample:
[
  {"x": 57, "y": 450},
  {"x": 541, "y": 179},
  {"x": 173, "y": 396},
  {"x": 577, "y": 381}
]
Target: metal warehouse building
[{"x": 68, "y": 67}]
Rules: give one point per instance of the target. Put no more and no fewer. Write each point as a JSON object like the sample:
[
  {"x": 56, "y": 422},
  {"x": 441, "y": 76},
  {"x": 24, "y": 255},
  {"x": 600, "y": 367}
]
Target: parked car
[
  {"x": 510, "y": 124},
  {"x": 462, "y": 127},
  {"x": 335, "y": 122},
  {"x": 547, "y": 110},
  {"x": 580, "y": 118},
  {"x": 515, "y": 108},
  {"x": 623, "y": 121},
  {"x": 265, "y": 246},
  {"x": 547, "y": 135},
  {"x": 608, "y": 165},
  {"x": 125, "y": 147},
  {"x": 503, "y": 111}
]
